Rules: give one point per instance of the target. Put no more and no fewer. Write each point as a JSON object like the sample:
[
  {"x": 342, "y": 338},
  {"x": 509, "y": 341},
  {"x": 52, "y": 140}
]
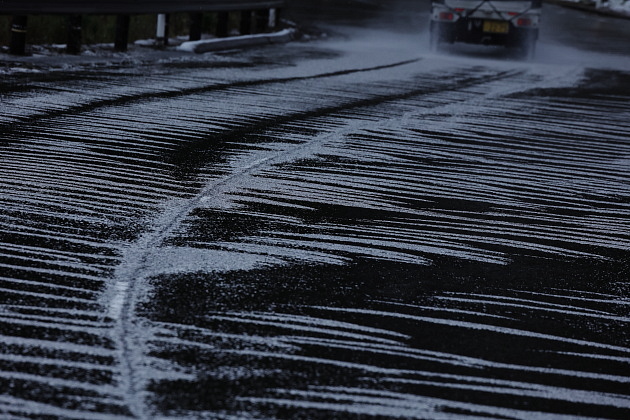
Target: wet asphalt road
[{"x": 349, "y": 227}]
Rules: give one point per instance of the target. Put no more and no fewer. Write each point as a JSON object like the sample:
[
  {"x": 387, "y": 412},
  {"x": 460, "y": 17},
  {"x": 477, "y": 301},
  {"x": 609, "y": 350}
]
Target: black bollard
[
  {"x": 195, "y": 20},
  {"x": 167, "y": 29},
  {"x": 261, "y": 22},
  {"x": 122, "y": 33},
  {"x": 276, "y": 18},
  {"x": 246, "y": 22},
  {"x": 18, "y": 35},
  {"x": 74, "y": 34},
  {"x": 223, "y": 19}
]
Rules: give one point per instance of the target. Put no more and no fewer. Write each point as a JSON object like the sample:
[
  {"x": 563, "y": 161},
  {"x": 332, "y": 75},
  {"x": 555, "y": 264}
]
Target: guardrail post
[
  {"x": 73, "y": 46},
  {"x": 161, "y": 30},
  {"x": 122, "y": 33},
  {"x": 195, "y": 21},
  {"x": 261, "y": 21},
  {"x": 246, "y": 22},
  {"x": 18, "y": 35},
  {"x": 223, "y": 19}
]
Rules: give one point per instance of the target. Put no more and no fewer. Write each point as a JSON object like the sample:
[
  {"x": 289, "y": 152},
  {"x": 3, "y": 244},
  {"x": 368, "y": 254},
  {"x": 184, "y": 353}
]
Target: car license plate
[{"x": 496, "y": 27}]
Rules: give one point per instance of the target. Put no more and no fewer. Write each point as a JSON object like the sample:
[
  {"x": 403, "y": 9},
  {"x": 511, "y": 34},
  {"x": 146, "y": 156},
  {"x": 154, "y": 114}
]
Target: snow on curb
[{"x": 208, "y": 45}]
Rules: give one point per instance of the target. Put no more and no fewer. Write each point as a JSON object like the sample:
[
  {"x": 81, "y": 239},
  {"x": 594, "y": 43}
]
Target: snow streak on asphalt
[{"x": 406, "y": 239}]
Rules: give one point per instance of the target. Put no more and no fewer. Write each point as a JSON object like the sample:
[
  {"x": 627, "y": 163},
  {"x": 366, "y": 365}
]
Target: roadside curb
[
  {"x": 218, "y": 44},
  {"x": 590, "y": 8}
]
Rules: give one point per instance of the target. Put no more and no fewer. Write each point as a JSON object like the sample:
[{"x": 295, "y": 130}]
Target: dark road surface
[{"x": 349, "y": 227}]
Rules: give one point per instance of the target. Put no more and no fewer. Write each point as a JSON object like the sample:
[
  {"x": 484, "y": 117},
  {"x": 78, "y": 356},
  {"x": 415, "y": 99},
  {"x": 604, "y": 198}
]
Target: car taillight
[
  {"x": 446, "y": 16},
  {"x": 523, "y": 22}
]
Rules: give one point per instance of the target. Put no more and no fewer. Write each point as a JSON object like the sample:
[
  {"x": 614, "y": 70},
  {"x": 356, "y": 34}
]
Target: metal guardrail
[
  {"x": 20, "y": 9},
  {"x": 67, "y": 7}
]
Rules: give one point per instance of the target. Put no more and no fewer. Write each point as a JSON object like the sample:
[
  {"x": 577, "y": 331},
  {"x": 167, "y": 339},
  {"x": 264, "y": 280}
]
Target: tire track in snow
[
  {"x": 136, "y": 265},
  {"x": 143, "y": 128}
]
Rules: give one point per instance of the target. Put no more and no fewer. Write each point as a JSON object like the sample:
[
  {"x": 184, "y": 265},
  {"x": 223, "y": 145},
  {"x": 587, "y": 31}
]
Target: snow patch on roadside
[
  {"x": 621, "y": 7},
  {"x": 236, "y": 42}
]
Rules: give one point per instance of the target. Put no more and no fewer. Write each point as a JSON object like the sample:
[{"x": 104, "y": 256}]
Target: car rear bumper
[{"x": 471, "y": 30}]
